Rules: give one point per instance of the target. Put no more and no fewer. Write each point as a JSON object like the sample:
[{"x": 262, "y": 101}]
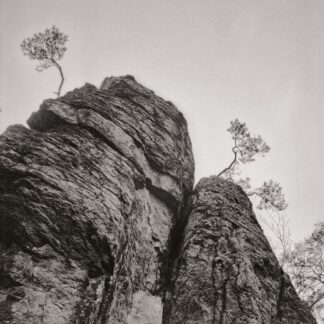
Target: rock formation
[
  {"x": 98, "y": 222},
  {"x": 226, "y": 271}
]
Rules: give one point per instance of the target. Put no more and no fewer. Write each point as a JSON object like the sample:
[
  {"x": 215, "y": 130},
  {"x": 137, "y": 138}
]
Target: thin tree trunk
[
  {"x": 231, "y": 165},
  {"x": 62, "y": 78},
  {"x": 234, "y": 149}
]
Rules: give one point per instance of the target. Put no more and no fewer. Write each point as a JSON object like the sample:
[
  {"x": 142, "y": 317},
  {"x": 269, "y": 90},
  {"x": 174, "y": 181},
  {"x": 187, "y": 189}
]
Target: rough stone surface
[
  {"x": 225, "y": 271},
  {"x": 88, "y": 198},
  {"x": 98, "y": 223}
]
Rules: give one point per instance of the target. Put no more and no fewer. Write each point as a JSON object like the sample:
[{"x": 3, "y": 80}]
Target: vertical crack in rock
[
  {"x": 213, "y": 279},
  {"x": 280, "y": 297}
]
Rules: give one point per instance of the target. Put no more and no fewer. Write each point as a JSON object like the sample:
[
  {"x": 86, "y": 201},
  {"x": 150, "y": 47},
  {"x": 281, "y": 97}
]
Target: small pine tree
[
  {"x": 48, "y": 48},
  {"x": 246, "y": 148}
]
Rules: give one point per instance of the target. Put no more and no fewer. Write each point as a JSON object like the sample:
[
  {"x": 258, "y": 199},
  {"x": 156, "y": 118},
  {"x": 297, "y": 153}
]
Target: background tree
[
  {"x": 278, "y": 224},
  {"x": 304, "y": 261},
  {"x": 48, "y": 48},
  {"x": 306, "y": 269}
]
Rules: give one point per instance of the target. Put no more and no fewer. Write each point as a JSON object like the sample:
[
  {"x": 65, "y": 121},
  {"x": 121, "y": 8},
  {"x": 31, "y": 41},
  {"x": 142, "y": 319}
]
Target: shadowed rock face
[
  {"x": 225, "y": 271},
  {"x": 96, "y": 225},
  {"x": 88, "y": 197}
]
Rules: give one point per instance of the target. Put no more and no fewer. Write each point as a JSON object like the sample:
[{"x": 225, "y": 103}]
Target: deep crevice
[
  {"x": 163, "y": 195},
  {"x": 224, "y": 300},
  {"x": 170, "y": 259},
  {"x": 280, "y": 296}
]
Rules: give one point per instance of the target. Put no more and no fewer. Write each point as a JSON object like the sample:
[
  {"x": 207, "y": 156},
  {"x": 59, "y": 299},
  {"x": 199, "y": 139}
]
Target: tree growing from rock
[
  {"x": 245, "y": 149},
  {"x": 48, "y": 48},
  {"x": 305, "y": 261}
]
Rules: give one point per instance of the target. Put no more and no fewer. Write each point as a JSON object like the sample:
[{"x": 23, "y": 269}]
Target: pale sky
[{"x": 257, "y": 60}]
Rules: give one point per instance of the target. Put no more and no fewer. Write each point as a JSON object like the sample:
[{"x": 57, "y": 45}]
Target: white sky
[{"x": 258, "y": 60}]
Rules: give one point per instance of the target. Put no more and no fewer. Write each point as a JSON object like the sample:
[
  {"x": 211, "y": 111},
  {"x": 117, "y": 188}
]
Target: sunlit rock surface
[{"x": 98, "y": 223}]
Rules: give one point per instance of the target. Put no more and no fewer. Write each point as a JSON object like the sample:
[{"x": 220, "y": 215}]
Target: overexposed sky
[{"x": 258, "y": 60}]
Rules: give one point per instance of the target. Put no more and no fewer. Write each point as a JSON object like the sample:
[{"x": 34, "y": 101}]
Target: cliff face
[
  {"x": 226, "y": 271},
  {"x": 89, "y": 196},
  {"x": 97, "y": 224}
]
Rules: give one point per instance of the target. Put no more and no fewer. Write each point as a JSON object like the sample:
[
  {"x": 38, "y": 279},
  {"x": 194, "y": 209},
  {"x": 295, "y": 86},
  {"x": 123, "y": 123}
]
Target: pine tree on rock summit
[
  {"x": 246, "y": 148},
  {"x": 47, "y": 47}
]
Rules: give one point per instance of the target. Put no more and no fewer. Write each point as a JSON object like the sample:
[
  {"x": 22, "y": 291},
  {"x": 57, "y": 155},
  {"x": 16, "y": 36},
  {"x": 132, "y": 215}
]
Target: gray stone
[
  {"x": 88, "y": 198},
  {"x": 98, "y": 223},
  {"x": 225, "y": 271}
]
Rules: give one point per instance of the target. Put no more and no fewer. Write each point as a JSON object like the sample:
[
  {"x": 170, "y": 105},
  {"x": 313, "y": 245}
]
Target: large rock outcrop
[
  {"x": 88, "y": 198},
  {"x": 226, "y": 272},
  {"x": 98, "y": 222}
]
